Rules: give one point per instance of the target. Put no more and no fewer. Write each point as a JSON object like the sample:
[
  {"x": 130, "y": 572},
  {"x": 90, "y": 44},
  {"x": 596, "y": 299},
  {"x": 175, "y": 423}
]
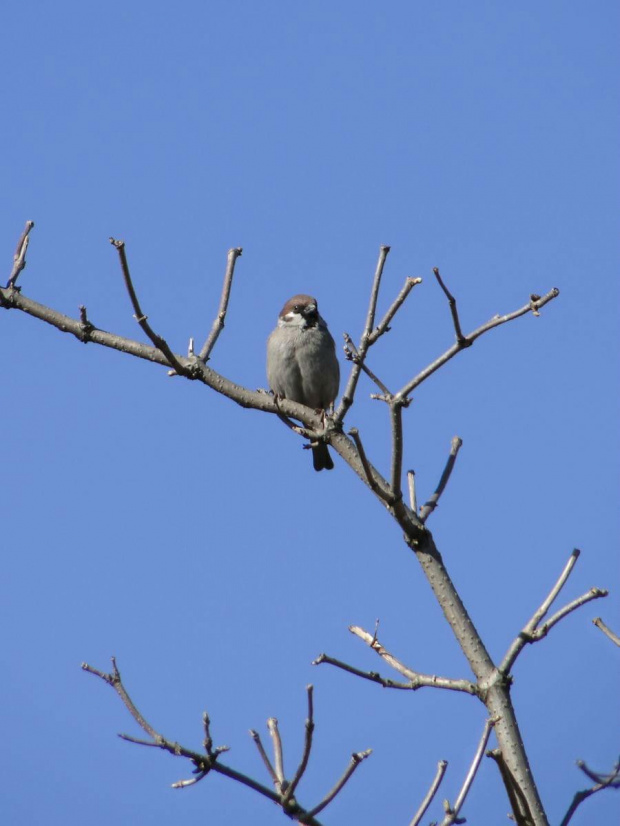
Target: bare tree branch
[
  {"x": 593, "y": 593},
  {"x": 349, "y": 393},
  {"x": 533, "y": 306},
  {"x": 265, "y": 757},
  {"x": 351, "y": 354},
  {"x": 370, "y": 479},
  {"x": 455, "y": 316},
  {"x": 19, "y": 259},
  {"x": 290, "y": 791},
  {"x": 218, "y": 324},
  {"x": 428, "y": 799},
  {"x": 607, "y": 631},
  {"x": 432, "y": 503},
  {"x": 140, "y": 317},
  {"x": 204, "y": 763},
  {"x": 521, "y": 811},
  {"x": 413, "y": 501},
  {"x": 612, "y": 777},
  {"x": 272, "y": 725},
  {"x": 417, "y": 679},
  {"x": 611, "y": 781},
  {"x": 396, "y": 419},
  {"x": 383, "y": 326},
  {"x": 373, "y": 676},
  {"x": 532, "y": 631},
  {"x": 452, "y": 815},
  {"x": 491, "y": 687},
  {"x": 356, "y": 759}
]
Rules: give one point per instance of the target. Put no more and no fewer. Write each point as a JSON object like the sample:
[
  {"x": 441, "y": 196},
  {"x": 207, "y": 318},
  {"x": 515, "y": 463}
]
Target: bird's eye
[{"x": 296, "y": 308}]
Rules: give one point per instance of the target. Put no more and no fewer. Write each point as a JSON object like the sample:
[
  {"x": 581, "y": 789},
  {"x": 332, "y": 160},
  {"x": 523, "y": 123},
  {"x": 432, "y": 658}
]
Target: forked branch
[
  {"x": 209, "y": 761},
  {"x": 533, "y": 631},
  {"x": 415, "y": 678},
  {"x": 601, "y": 781}
]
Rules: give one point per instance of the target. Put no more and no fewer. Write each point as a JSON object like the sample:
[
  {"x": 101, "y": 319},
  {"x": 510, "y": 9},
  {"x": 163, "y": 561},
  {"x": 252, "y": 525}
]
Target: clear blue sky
[{"x": 149, "y": 518}]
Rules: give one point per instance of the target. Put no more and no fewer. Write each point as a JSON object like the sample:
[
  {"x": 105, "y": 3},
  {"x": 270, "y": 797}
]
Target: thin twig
[
  {"x": 452, "y": 302},
  {"x": 183, "y": 784},
  {"x": 274, "y": 731},
  {"x": 140, "y": 317},
  {"x": 385, "y": 495},
  {"x": 607, "y": 631},
  {"x": 383, "y": 326},
  {"x": 601, "y": 777},
  {"x": 19, "y": 259},
  {"x": 432, "y": 503},
  {"x": 452, "y": 815},
  {"x": 525, "y": 636},
  {"x": 413, "y": 501},
  {"x": 396, "y": 472},
  {"x": 612, "y": 781},
  {"x": 373, "y": 676},
  {"x": 533, "y": 306},
  {"x": 356, "y": 759},
  {"x": 352, "y": 354},
  {"x": 290, "y": 791},
  {"x": 114, "y": 679},
  {"x": 349, "y": 393},
  {"x": 265, "y": 758},
  {"x": 417, "y": 679},
  {"x": 218, "y": 323},
  {"x": 430, "y": 794},
  {"x": 593, "y": 593}
]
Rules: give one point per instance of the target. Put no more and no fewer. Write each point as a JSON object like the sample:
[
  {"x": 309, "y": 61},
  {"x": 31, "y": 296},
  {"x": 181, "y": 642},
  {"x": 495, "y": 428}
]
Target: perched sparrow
[{"x": 302, "y": 364}]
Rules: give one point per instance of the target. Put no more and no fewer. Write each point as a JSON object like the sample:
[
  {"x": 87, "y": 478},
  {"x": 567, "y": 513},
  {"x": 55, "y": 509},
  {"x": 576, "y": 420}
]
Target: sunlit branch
[
  {"x": 452, "y": 815},
  {"x": 140, "y": 317},
  {"x": 607, "y": 631},
  {"x": 356, "y": 759},
  {"x": 372, "y": 676},
  {"x": 19, "y": 259},
  {"x": 533, "y": 306},
  {"x": 384, "y": 325},
  {"x": 416, "y": 679},
  {"x": 218, "y": 323},
  {"x": 349, "y": 393},
  {"x": 428, "y": 799}
]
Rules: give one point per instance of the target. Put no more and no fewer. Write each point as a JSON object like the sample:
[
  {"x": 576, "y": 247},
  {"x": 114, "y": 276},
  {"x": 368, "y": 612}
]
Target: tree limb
[
  {"x": 607, "y": 631},
  {"x": 533, "y": 306},
  {"x": 218, "y": 324},
  {"x": 453, "y": 813},
  {"x": 416, "y": 679},
  {"x": 432, "y": 503},
  {"x": 532, "y": 631},
  {"x": 611, "y": 781},
  {"x": 428, "y": 799},
  {"x": 19, "y": 259},
  {"x": 140, "y": 317}
]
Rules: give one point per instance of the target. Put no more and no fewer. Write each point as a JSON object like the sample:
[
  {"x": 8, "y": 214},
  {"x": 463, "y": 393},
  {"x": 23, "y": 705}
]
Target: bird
[{"x": 301, "y": 363}]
